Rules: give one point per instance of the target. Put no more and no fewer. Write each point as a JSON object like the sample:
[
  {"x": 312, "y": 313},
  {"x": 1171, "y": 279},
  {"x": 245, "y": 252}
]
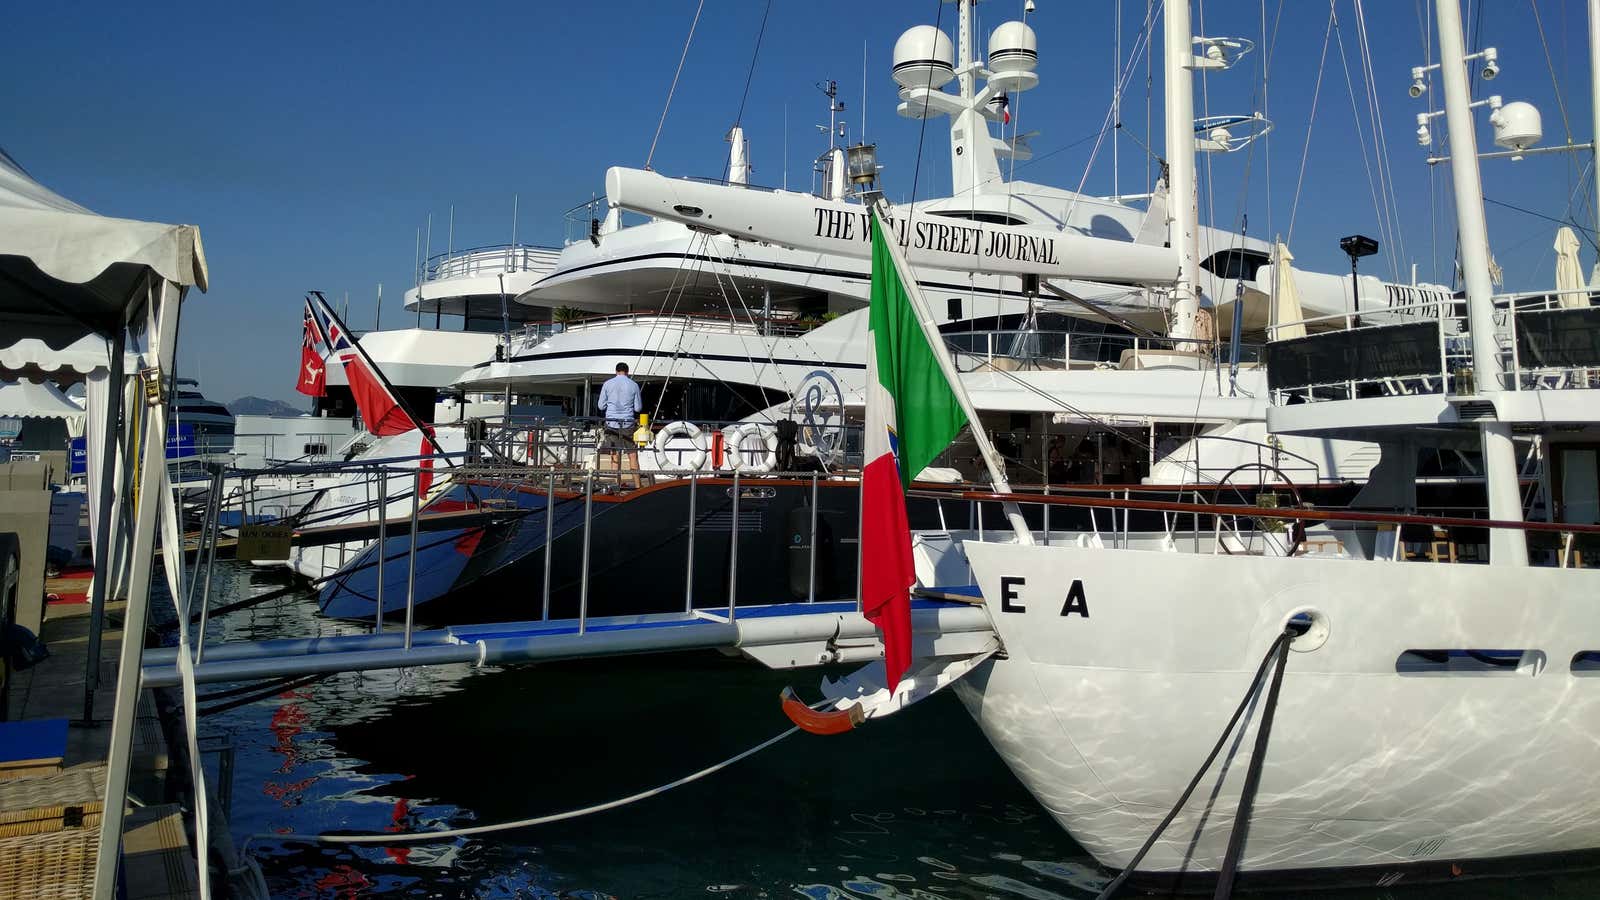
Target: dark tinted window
[{"x": 1241, "y": 264}]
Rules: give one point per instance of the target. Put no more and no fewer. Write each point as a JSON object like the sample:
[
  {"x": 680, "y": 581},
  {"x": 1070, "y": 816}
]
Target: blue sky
[{"x": 310, "y": 140}]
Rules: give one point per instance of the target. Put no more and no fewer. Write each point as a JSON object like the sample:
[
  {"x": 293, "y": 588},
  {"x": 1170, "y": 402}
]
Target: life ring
[
  {"x": 664, "y": 455},
  {"x": 736, "y": 436}
]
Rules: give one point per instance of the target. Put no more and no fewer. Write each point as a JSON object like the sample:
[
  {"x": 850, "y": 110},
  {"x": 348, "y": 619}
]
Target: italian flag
[{"x": 911, "y": 416}]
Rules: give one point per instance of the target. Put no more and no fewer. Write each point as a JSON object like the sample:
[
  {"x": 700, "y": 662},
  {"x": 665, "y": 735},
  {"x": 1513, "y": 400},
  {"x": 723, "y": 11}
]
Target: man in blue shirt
[{"x": 620, "y": 405}]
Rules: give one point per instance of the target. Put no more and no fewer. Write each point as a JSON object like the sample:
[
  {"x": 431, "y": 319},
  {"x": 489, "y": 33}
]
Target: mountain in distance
[{"x": 261, "y": 406}]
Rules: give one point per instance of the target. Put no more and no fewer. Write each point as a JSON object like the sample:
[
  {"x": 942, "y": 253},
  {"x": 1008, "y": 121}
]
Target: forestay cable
[{"x": 670, "y": 91}]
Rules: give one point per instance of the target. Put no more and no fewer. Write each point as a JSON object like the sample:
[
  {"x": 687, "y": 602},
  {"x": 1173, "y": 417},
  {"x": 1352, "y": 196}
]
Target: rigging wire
[
  {"x": 1305, "y": 153},
  {"x": 1379, "y": 207},
  {"x": 750, "y": 74},
  {"x": 1140, "y": 44},
  {"x": 1587, "y": 232},
  {"x": 673, "y": 89},
  {"x": 922, "y": 127},
  {"x": 1381, "y": 145}
]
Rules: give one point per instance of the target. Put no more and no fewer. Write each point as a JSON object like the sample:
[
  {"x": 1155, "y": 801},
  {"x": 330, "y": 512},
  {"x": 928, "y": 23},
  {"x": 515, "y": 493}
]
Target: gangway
[{"x": 780, "y": 636}]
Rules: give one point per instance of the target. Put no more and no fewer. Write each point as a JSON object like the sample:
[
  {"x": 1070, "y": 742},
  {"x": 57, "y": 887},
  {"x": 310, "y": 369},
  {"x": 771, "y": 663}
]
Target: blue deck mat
[{"x": 35, "y": 739}]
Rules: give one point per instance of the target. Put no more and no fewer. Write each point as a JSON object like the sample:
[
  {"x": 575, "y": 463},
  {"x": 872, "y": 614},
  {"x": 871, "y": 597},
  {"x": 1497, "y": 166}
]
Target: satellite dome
[
  {"x": 923, "y": 57},
  {"x": 1013, "y": 55},
  {"x": 1517, "y": 126}
]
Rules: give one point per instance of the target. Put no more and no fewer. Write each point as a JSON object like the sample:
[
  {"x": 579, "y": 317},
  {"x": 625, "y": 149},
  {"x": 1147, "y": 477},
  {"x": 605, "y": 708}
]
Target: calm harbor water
[{"x": 914, "y": 807}]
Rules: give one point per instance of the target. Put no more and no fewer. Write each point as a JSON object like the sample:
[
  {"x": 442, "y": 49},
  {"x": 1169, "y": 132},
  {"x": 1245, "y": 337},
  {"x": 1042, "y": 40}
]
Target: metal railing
[
  {"x": 1028, "y": 350},
  {"x": 1453, "y": 353},
  {"x": 579, "y": 223},
  {"x": 1266, "y": 528},
  {"x": 1453, "y": 374},
  {"x": 488, "y": 480},
  {"x": 568, "y": 441},
  {"x": 527, "y": 337},
  {"x": 492, "y": 259},
  {"x": 1531, "y": 374}
]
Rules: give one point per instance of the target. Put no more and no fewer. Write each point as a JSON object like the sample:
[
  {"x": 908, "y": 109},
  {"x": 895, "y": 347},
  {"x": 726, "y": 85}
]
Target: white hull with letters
[{"x": 1105, "y": 707}]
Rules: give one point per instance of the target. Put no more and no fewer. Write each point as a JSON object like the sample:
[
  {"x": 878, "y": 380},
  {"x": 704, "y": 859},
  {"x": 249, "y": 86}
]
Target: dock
[{"x": 53, "y": 771}]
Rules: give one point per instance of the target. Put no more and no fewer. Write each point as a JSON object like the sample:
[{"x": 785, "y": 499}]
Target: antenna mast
[
  {"x": 1506, "y": 547},
  {"x": 1181, "y": 228}
]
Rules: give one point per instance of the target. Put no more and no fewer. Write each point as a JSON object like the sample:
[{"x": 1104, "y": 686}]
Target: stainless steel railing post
[
  {"x": 213, "y": 517},
  {"x": 1047, "y": 516},
  {"x": 811, "y": 590},
  {"x": 733, "y": 549},
  {"x": 411, "y": 560},
  {"x": 583, "y": 575},
  {"x": 383, "y": 543},
  {"x": 688, "y": 578},
  {"x": 549, "y": 537}
]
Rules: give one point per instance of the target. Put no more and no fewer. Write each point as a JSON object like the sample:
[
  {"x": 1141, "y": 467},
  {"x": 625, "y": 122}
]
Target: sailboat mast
[
  {"x": 1594, "y": 95},
  {"x": 964, "y": 74},
  {"x": 1181, "y": 227},
  {"x": 1506, "y": 547}
]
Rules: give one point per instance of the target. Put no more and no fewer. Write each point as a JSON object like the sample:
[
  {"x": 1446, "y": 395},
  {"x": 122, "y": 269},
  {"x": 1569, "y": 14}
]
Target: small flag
[
  {"x": 313, "y": 380},
  {"x": 381, "y": 411},
  {"x": 1003, "y": 103},
  {"x": 912, "y": 415}
]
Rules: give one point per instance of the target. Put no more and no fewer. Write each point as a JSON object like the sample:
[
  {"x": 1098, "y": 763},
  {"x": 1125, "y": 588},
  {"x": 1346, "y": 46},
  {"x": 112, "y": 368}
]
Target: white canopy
[
  {"x": 35, "y": 358},
  {"x": 40, "y": 400},
  {"x": 1569, "y": 271},
  {"x": 66, "y": 271},
  {"x": 1287, "y": 313}
]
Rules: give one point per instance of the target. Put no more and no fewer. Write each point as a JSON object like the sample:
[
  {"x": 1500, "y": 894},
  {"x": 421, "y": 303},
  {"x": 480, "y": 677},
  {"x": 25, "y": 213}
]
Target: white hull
[
  {"x": 1105, "y": 718},
  {"x": 353, "y": 499}
]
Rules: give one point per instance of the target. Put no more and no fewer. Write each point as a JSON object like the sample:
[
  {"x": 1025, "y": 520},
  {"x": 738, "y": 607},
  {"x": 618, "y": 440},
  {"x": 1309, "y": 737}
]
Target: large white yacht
[
  {"x": 1216, "y": 702},
  {"x": 1062, "y": 309}
]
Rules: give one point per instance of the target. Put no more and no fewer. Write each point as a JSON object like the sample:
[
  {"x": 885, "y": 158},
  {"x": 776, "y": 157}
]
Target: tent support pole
[
  {"x": 152, "y": 493},
  {"x": 102, "y": 544}
]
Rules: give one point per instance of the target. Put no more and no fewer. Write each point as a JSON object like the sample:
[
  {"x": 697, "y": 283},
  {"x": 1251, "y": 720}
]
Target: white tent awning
[
  {"x": 39, "y": 400},
  {"x": 66, "y": 271},
  {"x": 34, "y": 358}
]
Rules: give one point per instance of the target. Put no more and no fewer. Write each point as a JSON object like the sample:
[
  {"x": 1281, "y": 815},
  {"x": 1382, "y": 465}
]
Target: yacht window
[
  {"x": 1239, "y": 264},
  {"x": 979, "y": 216}
]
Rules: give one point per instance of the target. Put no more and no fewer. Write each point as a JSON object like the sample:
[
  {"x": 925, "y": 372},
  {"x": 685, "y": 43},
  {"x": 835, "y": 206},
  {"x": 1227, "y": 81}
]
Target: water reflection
[{"x": 914, "y": 807}]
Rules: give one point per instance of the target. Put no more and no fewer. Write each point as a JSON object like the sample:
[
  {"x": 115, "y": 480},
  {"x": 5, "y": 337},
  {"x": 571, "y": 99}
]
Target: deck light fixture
[{"x": 861, "y": 166}]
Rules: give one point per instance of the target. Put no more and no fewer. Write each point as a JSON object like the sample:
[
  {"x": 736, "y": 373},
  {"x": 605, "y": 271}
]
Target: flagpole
[
  {"x": 399, "y": 400},
  {"x": 941, "y": 353}
]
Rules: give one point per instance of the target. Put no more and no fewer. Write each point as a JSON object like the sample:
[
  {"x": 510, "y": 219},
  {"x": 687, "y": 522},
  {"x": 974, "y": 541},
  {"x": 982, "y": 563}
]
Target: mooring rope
[
  {"x": 1252, "y": 778},
  {"x": 1279, "y": 646},
  {"x": 407, "y": 837}
]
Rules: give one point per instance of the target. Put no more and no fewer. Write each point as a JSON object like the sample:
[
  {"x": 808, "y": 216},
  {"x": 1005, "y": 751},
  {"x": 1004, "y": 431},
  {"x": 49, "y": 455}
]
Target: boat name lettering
[
  {"x": 1008, "y": 593},
  {"x": 1077, "y": 601},
  {"x": 1076, "y": 604},
  {"x": 941, "y": 237},
  {"x": 1404, "y": 299}
]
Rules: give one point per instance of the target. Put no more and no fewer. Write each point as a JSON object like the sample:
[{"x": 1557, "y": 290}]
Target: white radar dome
[
  {"x": 923, "y": 57},
  {"x": 1013, "y": 55},
  {"x": 1517, "y": 126}
]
